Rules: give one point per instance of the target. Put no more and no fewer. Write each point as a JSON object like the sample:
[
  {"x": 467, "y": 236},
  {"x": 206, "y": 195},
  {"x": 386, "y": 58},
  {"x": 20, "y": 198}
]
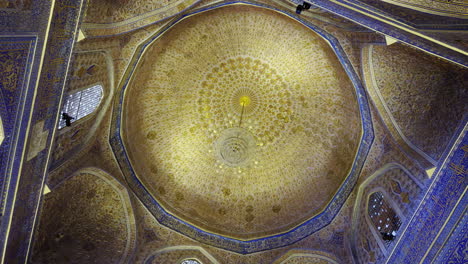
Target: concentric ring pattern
[{"x": 251, "y": 70}]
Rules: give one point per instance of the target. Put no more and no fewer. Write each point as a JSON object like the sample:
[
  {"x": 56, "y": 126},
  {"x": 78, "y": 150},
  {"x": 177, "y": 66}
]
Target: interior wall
[
  {"x": 95, "y": 225},
  {"x": 70, "y": 139},
  {"x": 425, "y": 96},
  {"x": 151, "y": 237}
]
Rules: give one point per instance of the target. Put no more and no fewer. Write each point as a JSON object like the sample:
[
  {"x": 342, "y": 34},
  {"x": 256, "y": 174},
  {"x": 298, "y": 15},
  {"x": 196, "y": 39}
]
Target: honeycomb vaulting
[{"x": 297, "y": 105}]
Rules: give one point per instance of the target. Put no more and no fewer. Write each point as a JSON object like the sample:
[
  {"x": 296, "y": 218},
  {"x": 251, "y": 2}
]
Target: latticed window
[
  {"x": 190, "y": 261},
  {"x": 80, "y": 104},
  {"x": 384, "y": 218}
]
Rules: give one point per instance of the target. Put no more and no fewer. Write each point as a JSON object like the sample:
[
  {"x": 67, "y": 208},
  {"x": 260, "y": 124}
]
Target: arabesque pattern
[{"x": 302, "y": 112}]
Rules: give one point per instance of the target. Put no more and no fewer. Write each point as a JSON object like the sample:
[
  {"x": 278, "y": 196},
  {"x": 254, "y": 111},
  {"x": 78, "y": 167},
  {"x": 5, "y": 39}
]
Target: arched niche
[
  {"x": 401, "y": 192},
  {"x": 87, "y": 218},
  {"x": 92, "y": 79},
  {"x": 307, "y": 257},
  {"x": 179, "y": 254}
]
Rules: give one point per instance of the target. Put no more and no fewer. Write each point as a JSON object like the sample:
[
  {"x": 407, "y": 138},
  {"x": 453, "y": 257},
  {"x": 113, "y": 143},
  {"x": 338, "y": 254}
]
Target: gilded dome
[{"x": 241, "y": 121}]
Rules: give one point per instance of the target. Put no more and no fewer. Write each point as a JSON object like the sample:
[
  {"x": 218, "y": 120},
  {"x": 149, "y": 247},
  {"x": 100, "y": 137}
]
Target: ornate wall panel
[
  {"x": 372, "y": 19},
  {"x": 455, "y": 39},
  {"x": 88, "y": 218},
  {"x": 437, "y": 231},
  {"x": 421, "y": 98},
  {"x": 108, "y": 12},
  {"x": 385, "y": 149},
  {"x": 70, "y": 139},
  {"x": 414, "y": 18},
  {"x": 16, "y": 56},
  {"x": 34, "y": 126},
  {"x": 453, "y": 250},
  {"x": 402, "y": 191},
  {"x": 105, "y": 17},
  {"x": 451, "y": 8},
  {"x": 15, "y": 65}
]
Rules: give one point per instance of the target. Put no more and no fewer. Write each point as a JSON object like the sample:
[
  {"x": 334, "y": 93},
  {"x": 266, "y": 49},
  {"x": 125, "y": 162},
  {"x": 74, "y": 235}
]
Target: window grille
[
  {"x": 81, "y": 104},
  {"x": 384, "y": 218}
]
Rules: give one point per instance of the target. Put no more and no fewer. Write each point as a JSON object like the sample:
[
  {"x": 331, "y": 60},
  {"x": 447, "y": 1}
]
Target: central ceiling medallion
[
  {"x": 235, "y": 146},
  {"x": 244, "y": 101}
]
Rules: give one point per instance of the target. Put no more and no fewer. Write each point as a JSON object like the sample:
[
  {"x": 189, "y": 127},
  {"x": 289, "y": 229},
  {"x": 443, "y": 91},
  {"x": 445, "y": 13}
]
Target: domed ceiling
[{"x": 241, "y": 121}]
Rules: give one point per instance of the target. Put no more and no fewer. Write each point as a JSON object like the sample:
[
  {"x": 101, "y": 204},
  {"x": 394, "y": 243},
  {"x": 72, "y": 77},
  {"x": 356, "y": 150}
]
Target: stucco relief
[
  {"x": 425, "y": 96},
  {"x": 106, "y": 17},
  {"x": 88, "y": 68},
  {"x": 386, "y": 150},
  {"x": 401, "y": 191},
  {"x": 86, "y": 219}
]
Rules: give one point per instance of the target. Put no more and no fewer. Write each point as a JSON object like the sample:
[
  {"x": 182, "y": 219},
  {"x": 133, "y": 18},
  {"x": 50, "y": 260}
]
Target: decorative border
[
  {"x": 11, "y": 104},
  {"x": 54, "y": 28},
  {"x": 430, "y": 10},
  {"x": 248, "y": 246},
  {"x": 454, "y": 248},
  {"x": 415, "y": 18},
  {"x": 440, "y": 209}
]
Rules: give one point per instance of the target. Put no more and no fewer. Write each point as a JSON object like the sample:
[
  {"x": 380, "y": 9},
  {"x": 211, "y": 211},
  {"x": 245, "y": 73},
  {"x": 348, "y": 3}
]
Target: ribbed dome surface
[{"x": 246, "y": 69}]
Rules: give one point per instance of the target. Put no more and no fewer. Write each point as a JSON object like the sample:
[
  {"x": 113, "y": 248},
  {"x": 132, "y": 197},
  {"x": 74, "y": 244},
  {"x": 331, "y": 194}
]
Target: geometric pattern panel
[
  {"x": 424, "y": 96},
  {"x": 432, "y": 231},
  {"x": 15, "y": 61},
  {"x": 87, "y": 218}
]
